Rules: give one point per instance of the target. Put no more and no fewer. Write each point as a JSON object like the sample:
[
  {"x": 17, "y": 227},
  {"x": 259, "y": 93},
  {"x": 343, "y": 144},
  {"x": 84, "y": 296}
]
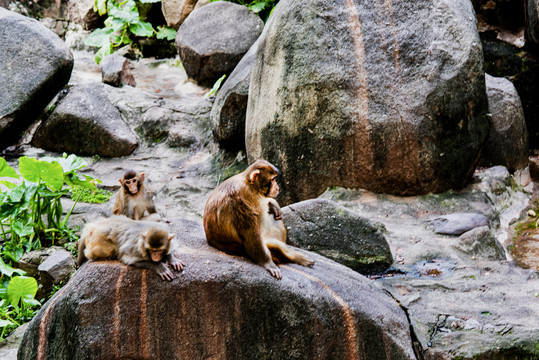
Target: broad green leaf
[
  {"x": 141, "y": 28},
  {"x": 128, "y": 13},
  {"x": 29, "y": 169},
  {"x": 6, "y": 170},
  {"x": 8, "y": 270},
  {"x": 14, "y": 255},
  {"x": 166, "y": 32},
  {"x": 101, "y": 53},
  {"x": 33, "y": 170},
  {"x": 99, "y": 37},
  {"x": 8, "y": 184},
  {"x": 86, "y": 181},
  {"x": 29, "y": 300},
  {"x": 23, "y": 228},
  {"x": 17, "y": 193},
  {"x": 215, "y": 87},
  {"x": 258, "y": 7},
  {"x": 19, "y": 287},
  {"x": 69, "y": 163},
  {"x": 4, "y": 323},
  {"x": 101, "y": 7}
]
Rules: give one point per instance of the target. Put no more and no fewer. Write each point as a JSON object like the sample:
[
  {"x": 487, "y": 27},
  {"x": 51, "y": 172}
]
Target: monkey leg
[
  {"x": 258, "y": 251},
  {"x": 280, "y": 248}
]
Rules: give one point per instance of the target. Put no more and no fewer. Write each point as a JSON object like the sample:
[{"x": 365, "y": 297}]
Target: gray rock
[
  {"x": 339, "y": 234},
  {"x": 230, "y": 105},
  {"x": 176, "y": 11},
  {"x": 35, "y": 65},
  {"x": 110, "y": 310},
  {"x": 459, "y": 223},
  {"x": 214, "y": 38},
  {"x": 86, "y": 123},
  {"x": 10, "y": 345},
  {"x": 403, "y": 115},
  {"x": 507, "y": 142},
  {"x": 480, "y": 244},
  {"x": 56, "y": 268},
  {"x": 116, "y": 71},
  {"x": 82, "y": 12},
  {"x": 532, "y": 20},
  {"x": 31, "y": 260}
]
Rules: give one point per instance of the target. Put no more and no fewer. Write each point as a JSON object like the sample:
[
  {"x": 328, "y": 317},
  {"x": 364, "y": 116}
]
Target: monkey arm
[{"x": 160, "y": 268}]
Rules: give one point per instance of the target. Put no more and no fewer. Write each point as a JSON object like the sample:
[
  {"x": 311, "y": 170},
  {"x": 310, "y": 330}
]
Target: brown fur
[
  {"x": 239, "y": 220},
  {"x": 131, "y": 242},
  {"x": 135, "y": 205}
]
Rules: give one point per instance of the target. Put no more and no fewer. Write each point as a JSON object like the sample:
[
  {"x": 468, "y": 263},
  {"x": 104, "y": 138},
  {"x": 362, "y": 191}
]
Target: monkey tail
[
  {"x": 279, "y": 250},
  {"x": 86, "y": 232}
]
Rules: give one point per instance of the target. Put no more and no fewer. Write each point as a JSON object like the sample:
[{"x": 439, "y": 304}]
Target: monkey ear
[
  {"x": 121, "y": 182},
  {"x": 144, "y": 234},
  {"x": 142, "y": 176},
  {"x": 253, "y": 175},
  {"x": 170, "y": 237}
]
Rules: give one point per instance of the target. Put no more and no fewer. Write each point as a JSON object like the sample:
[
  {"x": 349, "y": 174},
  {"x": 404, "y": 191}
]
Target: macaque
[
  {"x": 241, "y": 217},
  {"x": 143, "y": 244},
  {"x": 134, "y": 199}
]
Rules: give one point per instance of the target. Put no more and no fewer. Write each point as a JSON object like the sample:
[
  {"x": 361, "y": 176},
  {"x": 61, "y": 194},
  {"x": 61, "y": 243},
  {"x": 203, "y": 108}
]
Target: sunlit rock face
[{"x": 386, "y": 96}]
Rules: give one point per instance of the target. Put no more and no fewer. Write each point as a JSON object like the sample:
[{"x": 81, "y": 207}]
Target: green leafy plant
[
  {"x": 260, "y": 7},
  {"x": 18, "y": 304},
  {"x": 122, "y": 26},
  {"x": 215, "y": 87},
  {"x": 32, "y": 212},
  {"x": 97, "y": 196}
]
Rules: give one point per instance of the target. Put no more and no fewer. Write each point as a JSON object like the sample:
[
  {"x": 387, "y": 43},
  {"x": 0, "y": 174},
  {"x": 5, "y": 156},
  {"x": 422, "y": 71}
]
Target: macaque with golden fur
[
  {"x": 134, "y": 199},
  {"x": 143, "y": 244},
  {"x": 241, "y": 217}
]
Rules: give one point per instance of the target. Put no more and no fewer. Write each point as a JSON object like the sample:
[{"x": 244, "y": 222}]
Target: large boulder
[
  {"x": 214, "y": 38},
  {"x": 35, "y": 65},
  {"x": 86, "y": 123},
  {"x": 220, "y": 304},
  {"x": 230, "y": 105},
  {"x": 325, "y": 227},
  {"x": 532, "y": 20},
  {"x": 176, "y": 11},
  {"x": 507, "y": 143},
  {"x": 395, "y": 103}
]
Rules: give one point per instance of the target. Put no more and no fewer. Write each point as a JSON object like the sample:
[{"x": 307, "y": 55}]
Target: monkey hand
[
  {"x": 273, "y": 270},
  {"x": 176, "y": 264},
  {"x": 164, "y": 272}
]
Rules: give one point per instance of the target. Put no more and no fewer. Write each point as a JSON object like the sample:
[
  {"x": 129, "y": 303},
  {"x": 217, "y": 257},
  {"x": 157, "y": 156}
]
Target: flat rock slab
[
  {"x": 220, "y": 306},
  {"x": 458, "y": 224}
]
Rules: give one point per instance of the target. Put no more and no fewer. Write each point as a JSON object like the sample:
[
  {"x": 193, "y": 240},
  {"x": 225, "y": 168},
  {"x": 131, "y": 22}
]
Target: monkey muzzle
[{"x": 156, "y": 255}]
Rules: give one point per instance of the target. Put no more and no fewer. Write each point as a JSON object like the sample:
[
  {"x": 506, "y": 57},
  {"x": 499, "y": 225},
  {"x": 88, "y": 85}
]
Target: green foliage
[
  {"x": 260, "y": 7},
  {"x": 31, "y": 215},
  {"x": 215, "y": 87},
  {"x": 122, "y": 26},
  {"x": 97, "y": 196},
  {"x": 32, "y": 212},
  {"x": 18, "y": 304}
]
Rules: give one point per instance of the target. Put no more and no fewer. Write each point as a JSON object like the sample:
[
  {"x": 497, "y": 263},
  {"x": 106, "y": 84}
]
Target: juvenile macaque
[
  {"x": 242, "y": 218},
  {"x": 144, "y": 244},
  {"x": 135, "y": 200}
]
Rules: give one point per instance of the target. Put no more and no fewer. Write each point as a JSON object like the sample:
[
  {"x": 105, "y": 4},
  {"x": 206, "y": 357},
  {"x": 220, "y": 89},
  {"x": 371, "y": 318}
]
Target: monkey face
[
  {"x": 132, "y": 186},
  {"x": 274, "y": 188},
  {"x": 156, "y": 243},
  {"x": 156, "y": 255}
]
